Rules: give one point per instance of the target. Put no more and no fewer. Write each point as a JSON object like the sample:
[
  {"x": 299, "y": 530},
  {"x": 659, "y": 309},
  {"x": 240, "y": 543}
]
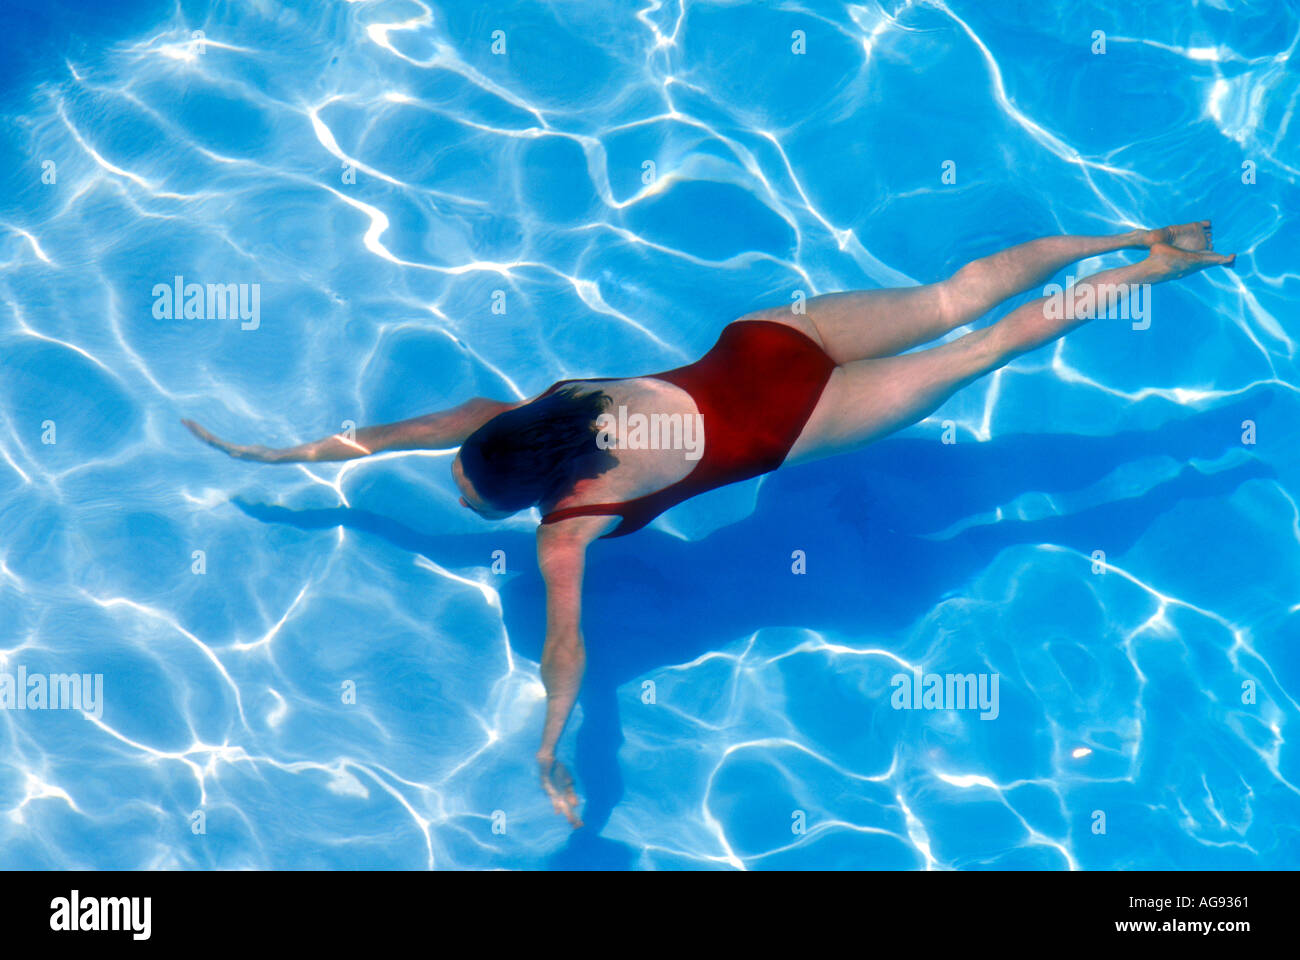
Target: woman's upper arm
[
  {"x": 445, "y": 428},
  {"x": 562, "y": 557}
]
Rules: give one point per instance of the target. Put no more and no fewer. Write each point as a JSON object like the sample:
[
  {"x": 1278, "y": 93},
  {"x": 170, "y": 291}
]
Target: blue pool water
[{"x": 226, "y": 737}]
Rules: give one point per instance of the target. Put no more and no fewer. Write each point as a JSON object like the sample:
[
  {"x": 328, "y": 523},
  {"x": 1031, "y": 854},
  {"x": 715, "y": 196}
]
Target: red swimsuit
[{"x": 756, "y": 388}]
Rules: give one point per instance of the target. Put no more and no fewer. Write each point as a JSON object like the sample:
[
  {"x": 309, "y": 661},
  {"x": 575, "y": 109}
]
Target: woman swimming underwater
[{"x": 778, "y": 388}]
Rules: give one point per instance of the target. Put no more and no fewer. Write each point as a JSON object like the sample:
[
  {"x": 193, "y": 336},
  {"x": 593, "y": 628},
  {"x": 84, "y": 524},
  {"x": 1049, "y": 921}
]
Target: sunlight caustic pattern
[{"x": 325, "y": 665}]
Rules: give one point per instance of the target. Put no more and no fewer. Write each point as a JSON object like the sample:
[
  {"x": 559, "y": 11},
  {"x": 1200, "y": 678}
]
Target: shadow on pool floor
[{"x": 861, "y": 521}]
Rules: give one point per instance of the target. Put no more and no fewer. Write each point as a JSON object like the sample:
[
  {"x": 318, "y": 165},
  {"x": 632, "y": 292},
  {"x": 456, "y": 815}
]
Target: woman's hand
[
  {"x": 559, "y": 787},
  {"x": 259, "y": 454}
]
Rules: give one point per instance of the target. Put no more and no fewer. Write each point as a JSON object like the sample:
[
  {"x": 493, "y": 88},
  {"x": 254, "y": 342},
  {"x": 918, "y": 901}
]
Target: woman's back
[
  {"x": 643, "y": 412},
  {"x": 752, "y": 393}
]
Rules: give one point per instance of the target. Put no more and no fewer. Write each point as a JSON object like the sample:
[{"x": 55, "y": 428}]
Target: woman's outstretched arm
[
  {"x": 562, "y": 556},
  {"x": 434, "y": 431}
]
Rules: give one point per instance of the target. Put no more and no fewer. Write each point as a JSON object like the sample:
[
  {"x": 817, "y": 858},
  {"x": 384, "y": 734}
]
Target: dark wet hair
[{"x": 535, "y": 453}]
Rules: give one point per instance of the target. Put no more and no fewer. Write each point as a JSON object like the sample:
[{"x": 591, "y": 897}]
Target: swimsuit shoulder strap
[
  {"x": 635, "y": 513},
  {"x": 585, "y": 510}
]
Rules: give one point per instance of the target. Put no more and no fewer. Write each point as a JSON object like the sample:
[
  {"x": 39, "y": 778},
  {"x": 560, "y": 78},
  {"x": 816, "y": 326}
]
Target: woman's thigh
[
  {"x": 869, "y": 399},
  {"x": 783, "y": 315},
  {"x": 870, "y": 324}
]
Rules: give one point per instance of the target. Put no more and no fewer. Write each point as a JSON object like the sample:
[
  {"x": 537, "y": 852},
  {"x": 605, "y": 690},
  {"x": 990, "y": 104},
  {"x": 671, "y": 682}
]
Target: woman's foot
[
  {"x": 1195, "y": 236},
  {"x": 1168, "y": 262}
]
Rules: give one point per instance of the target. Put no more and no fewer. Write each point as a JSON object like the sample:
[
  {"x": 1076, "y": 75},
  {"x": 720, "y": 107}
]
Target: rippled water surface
[{"x": 380, "y": 173}]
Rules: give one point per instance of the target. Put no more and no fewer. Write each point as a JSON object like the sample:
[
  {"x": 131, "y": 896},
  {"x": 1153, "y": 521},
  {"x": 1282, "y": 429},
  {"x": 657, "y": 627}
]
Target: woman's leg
[
  {"x": 870, "y": 399},
  {"x": 859, "y": 325}
]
